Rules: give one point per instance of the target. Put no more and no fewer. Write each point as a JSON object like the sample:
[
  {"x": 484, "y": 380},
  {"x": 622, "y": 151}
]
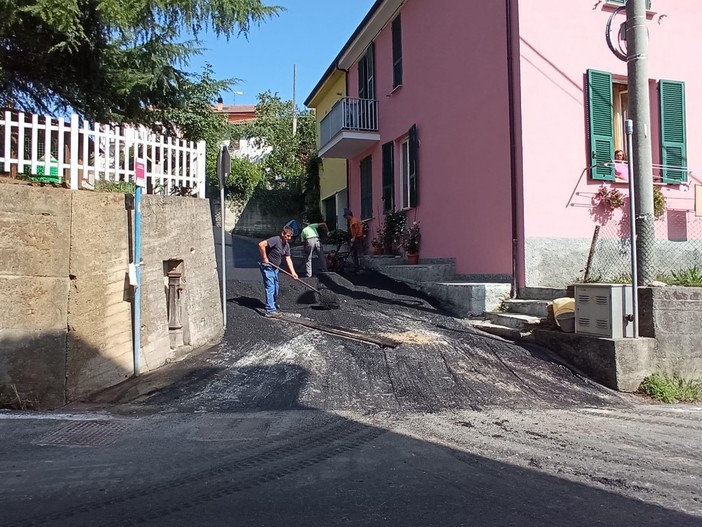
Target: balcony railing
[{"x": 358, "y": 115}]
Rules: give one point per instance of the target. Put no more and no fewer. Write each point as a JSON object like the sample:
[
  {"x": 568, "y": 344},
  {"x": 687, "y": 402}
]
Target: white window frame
[{"x": 404, "y": 173}]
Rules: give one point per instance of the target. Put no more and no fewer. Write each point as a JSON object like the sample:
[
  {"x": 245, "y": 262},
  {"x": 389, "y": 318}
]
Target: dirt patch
[{"x": 412, "y": 337}]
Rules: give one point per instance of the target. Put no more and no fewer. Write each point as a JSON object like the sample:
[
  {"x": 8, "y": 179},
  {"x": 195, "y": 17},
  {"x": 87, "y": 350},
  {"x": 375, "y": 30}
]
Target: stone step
[
  {"x": 512, "y": 320},
  {"x": 497, "y": 330},
  {"x": 419, "y": 273},
  {"x": 540, "y": 293},
  {"x": 468, "y": 298},
  {"x": 535, "y": 308}
]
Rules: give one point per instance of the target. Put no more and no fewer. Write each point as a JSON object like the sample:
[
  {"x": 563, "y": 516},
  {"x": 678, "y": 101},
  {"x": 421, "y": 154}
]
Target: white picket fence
[{"x": 84, "y": 154}]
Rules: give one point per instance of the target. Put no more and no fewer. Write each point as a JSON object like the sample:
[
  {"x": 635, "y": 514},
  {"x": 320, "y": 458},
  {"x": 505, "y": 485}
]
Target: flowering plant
[
  {"x": 611, "y": 198},
  {"x": 412, "y": 238},
  {"x": 377, "y": 242}
]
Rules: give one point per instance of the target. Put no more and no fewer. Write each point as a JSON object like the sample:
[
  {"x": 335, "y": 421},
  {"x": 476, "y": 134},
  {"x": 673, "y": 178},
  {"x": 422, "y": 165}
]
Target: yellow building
[{"x": 332, "y": 175}]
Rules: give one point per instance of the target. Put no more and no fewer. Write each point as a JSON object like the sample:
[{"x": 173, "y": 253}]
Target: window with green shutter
[
  {"x": 673, "y": 136},
  {"x": 396, "y": 52},
  {"x": 601, "y": 123},
  {"x": 366, "y": 188},
  {"x": 388, "y": 176},
  {"x": 413, "y": 176}
]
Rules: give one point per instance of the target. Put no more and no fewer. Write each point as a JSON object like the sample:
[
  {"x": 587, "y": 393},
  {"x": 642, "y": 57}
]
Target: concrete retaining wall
[
  {"x": 65, "y": 299},
  {"x": 673, "y": 316}
]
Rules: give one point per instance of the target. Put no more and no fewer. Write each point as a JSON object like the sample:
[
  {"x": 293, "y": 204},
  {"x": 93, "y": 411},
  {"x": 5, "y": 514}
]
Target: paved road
[{"x": 285, "y": 425}]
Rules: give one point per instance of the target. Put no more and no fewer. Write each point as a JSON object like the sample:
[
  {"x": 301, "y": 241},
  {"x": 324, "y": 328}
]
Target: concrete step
[
  {"x": 468, "y": 298},
  {"x": 497, "y": 330},
  {"x": 540, "y": 293},
  {"x": 511, "y": 320},
  {"x": 535, "y": 308},
  {"x": 419, "y": 273}
]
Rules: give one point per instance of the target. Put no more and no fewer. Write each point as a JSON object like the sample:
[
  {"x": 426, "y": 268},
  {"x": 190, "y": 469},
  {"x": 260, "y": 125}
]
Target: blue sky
[{"x": 310, "y": 33}]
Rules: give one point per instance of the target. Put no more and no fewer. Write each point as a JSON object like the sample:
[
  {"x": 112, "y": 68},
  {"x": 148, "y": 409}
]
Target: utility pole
[
  {"x": 294, "y": 108},
  {"x": 640, "y": 159}
]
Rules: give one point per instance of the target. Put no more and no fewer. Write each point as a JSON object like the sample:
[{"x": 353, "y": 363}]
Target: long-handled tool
[{"x": 327, "y": 298}]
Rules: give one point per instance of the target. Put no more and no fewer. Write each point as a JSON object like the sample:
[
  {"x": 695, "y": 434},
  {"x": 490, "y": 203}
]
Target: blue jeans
[{"x": 270, "y": 282}]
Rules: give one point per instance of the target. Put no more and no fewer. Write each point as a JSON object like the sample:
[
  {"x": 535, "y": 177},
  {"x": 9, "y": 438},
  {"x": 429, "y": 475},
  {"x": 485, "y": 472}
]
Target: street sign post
[{"x": 224, "y": 163}]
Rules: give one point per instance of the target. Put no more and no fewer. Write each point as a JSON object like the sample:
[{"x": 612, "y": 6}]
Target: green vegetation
[
  {"x": 126, "y": 187},
  {"x": 671, "y": 389},
  {"x": 659, "y": 202},
  {"x": 690, "y": 277},
  {"x": 109, "y": 60}
]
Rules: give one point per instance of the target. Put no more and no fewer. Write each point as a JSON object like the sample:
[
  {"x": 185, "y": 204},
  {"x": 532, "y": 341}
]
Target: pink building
[{"x": 483, "y": 120}]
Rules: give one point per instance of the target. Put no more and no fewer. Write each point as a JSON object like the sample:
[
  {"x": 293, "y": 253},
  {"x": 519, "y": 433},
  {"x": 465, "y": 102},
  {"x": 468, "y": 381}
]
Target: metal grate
[
  {"x": 85, "y": 433},
  {"x": 221, "y": 429}
]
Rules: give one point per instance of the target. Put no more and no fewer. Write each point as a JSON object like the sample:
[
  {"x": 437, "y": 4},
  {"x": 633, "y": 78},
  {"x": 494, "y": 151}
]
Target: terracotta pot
[{"x": 412, "y": 258}]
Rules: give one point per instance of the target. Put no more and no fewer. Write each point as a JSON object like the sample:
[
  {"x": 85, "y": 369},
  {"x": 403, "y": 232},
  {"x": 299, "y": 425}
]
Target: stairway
[{"x": 517, "y": 317}]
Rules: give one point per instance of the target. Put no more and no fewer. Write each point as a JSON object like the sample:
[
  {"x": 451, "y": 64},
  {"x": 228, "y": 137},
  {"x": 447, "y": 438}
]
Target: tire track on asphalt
[{"x": 338, "y": 431}]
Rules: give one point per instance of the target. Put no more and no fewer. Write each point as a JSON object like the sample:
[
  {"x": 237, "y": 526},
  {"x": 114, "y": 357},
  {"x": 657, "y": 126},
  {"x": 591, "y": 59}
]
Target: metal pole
[
  {"x": 632, "y": 221},
  {"x": 137, "y": 290},
  {"x": 222, "y": 176},
  {"x": 639, "y": 110}
]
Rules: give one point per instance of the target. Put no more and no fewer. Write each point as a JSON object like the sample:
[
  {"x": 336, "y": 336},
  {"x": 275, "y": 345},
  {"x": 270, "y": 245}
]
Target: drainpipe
[{"x": 512, "y": 148}]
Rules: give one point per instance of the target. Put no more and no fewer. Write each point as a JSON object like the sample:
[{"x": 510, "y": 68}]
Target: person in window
[
  {"x": 356, "y": 232},
  {"x": 621, "y": 167}
]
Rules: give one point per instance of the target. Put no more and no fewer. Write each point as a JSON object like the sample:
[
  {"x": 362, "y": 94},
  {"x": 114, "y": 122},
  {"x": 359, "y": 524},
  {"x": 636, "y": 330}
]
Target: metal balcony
[{"x": 350, "y": 127}]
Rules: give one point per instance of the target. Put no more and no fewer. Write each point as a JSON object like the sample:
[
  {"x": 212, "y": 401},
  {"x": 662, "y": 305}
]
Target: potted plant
[
  {"x": 609, "y": 198},
  {"x": 377, "y": 243},
  {"x": 411, "y": 241},
  {"x": 395, "y": 223}
]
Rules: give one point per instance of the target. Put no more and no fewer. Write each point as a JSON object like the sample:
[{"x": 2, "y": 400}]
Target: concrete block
[
  {"x": 34, "y": 303},
  {"x": 34, "y": 230},
  {"x": 535, "y": 308},
  {"x": 35, "y": 362},
  {"x": 465, "y": 298},
  {"x": 620, "y": 364}
]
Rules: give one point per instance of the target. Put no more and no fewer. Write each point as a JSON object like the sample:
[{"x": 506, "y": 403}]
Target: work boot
[{"x": 272, "y": 314}]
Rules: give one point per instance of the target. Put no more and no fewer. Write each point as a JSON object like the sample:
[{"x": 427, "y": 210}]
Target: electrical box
[{"x": 602, "y": 310}]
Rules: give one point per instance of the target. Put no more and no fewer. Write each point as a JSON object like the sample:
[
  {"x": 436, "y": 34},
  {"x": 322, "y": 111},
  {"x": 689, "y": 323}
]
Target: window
[
  {"x": 366, "y": 75},
  {"x": 396, "y": 52},
  {"x": 608, "y": 101},
  {"x": 366, "y": 188},
  {"x": 388, "y": 176},
  {"x": 408, "y": 169},
  {"x": 404, "y": 173},
  {"x": 413, "y": 166}
]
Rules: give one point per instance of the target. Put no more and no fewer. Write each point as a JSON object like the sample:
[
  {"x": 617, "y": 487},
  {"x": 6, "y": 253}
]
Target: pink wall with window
[
  {"x": 455, "y": 90},
  {"x": 559, "y": 42}
]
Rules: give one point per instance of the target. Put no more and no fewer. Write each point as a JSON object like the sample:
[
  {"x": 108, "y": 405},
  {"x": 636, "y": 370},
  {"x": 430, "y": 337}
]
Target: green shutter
[
  {"x": 413, "y": 166},
  {"x": 673, "y": 137},
  {"x": 601, "y": 119},
  {"x": 388, "y": 176}
]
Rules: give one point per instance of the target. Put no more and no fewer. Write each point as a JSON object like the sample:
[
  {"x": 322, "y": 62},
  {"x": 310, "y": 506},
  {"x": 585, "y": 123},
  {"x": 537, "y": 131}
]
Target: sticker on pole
[{"x": 139, "y": 175}]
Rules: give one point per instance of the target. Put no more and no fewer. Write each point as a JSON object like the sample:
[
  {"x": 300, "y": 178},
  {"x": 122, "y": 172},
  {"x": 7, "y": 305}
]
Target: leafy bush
[
  {"x": 659, "y": 202},
  {"x": 126, "y": 187},
  {"x": 689, "y": 277},
  {"x": 671, "y": 389},
  {"x": 412, "y": 238},
  {"x": 395, "y": 223}
]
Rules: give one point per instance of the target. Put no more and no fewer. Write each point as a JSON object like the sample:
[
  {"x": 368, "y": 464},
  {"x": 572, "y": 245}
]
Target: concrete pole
[
  {"x": 294, "y": 108},
  {"x": 640, "y": 114}
]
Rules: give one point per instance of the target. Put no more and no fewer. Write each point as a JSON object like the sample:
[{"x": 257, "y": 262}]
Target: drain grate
[
  {"x": 231, "y": 429},
  {"x": 85, "y": 433}
]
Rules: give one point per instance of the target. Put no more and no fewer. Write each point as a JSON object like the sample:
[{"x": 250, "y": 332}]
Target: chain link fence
[{"x": 677, "y": 247}]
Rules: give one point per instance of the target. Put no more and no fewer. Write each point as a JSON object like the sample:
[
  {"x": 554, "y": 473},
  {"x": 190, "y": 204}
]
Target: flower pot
[
  {"x": 412, "y": 258},
  {"x": 377, "y": 251}
]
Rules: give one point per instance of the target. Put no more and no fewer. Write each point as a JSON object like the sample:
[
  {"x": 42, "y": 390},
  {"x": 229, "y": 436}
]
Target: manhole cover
[
  {"x": 231, "y": 429},
  {"x": 85, "y": 433}
]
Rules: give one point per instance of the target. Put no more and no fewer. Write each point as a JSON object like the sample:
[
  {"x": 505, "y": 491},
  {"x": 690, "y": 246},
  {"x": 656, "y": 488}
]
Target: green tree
[
  {"x": 286, "y": 164},
  {"x": 110, "y": 60}
]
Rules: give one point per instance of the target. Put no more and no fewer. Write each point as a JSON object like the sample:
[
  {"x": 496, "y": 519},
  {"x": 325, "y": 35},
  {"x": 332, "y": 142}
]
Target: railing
[
  {"x": 84, "y": 154},
  {"x": 349, "y": 114}
]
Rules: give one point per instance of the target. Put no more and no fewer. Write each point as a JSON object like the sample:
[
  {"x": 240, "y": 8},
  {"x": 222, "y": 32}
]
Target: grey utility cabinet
[{"x": 604, "y": 310}]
